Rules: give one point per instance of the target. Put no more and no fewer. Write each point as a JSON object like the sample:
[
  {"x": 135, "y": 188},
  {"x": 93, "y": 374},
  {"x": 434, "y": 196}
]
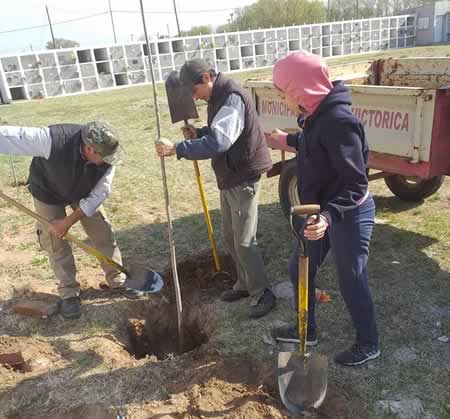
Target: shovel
[
  {"x": 182, "y": 107},
  {"x": 302, "y": 377},
  {"x": 173, "y": 257},
  {"x": 144, "y": 281}
]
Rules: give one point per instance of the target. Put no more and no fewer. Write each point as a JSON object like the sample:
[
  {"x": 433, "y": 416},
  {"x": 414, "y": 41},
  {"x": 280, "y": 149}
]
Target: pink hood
[{"x": 303, "y": 76}]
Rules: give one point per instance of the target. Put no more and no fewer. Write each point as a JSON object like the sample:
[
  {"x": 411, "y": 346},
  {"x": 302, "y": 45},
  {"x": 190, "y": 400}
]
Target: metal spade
[
  {"x": 302, "y": 377},
  {"x": 141, "y": 280}
]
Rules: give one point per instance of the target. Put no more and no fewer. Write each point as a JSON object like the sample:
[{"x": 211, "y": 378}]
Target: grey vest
[{"x": 65, "y": 177}]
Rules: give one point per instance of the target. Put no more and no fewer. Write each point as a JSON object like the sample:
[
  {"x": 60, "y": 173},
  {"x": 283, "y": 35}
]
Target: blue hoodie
[{"x": 332, "y": 156}]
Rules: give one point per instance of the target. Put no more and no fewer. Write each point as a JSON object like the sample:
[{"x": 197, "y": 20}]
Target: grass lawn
[{"x": 84, "y": 365}]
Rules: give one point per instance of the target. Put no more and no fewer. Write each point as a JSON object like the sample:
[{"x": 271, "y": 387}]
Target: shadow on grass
[
  {"x": 406, "y": 283},
  {"x": 394, "y": 204}
]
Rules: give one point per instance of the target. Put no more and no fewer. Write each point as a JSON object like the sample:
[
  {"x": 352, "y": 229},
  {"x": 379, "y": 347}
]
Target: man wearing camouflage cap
[{"x": 72, "y": 165}]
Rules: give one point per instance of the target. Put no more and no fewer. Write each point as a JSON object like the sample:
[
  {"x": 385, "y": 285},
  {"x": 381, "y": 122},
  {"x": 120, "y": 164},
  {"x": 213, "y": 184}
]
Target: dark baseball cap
[
  {"x": 104, "y": 139},
  {"x": 193, "y": 70}
]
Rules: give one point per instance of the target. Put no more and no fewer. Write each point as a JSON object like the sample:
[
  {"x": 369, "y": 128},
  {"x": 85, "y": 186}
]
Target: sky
[{"x": 97, "y": 30}]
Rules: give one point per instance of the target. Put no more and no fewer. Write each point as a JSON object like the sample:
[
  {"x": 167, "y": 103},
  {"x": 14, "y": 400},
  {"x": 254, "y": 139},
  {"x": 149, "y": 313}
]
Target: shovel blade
[
  {"x": 144, "y": 281},
  {"x": 302, "y": 380},
  {"x": 181, "y": 104}
]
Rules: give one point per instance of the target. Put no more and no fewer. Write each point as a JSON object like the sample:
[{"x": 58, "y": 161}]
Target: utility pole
[
  {"x": 176, "y": 17},
  {"x": 112, "y": 21},
  {"x": 328, "y": 11},
  {"x": 357, "y": 9},
  {"x": 51, "y": 28}
]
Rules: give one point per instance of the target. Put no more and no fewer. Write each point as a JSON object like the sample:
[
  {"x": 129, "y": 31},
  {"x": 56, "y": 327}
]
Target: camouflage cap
[{"x": 104, "y": 139}]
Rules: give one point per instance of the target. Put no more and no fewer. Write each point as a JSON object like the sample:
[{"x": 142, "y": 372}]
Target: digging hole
[
  {"x": 157, "y": 333},
  {"x": 198, "y": 273}
]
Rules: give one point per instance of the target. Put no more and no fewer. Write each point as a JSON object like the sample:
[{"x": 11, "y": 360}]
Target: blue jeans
[{"x": 349, "y": 241}]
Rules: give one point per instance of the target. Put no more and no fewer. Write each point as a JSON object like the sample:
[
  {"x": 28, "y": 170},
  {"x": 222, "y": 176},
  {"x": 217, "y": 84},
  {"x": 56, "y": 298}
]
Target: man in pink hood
[{"x": 332, "y": 156}]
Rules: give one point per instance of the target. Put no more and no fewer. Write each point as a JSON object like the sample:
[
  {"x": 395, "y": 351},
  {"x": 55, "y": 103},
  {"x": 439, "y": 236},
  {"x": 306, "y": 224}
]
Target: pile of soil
[
  {"x": 197, "y": 275},
  {"x": 38, "y": 356}
]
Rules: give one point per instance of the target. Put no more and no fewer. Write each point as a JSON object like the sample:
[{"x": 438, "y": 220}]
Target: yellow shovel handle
[
  {"x": 207, "y": 217},
  {"x": 302, "y": 302}
]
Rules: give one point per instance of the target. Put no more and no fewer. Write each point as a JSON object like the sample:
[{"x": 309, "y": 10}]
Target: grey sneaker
[
  {"x": 357, "y": 355},
  {"x": 265, "y": 304},
  {"x": 70, "y": 308},
  {"x": 289, "y": 334}
]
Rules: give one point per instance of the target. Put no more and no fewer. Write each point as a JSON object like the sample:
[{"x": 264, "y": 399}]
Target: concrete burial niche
[
  {"x": 101, "y": 54},
  {"x": 116, "y": 52},
  {"x": 29, "y": 61},
  {"x": 84, "y": 56},
  {"x": 87, "y": 70},
  {"x": 54, "y": 89},
  {"x": 47, "y": 60},
  {"x": 50, "y": 74},
  {"x": 260, "y": 49},
  {"x": 121, "y": 79},
  {"x": 90, "y": 83},
  {"x": 66, "y": 57},
  {"x": 10, "y": 64}
]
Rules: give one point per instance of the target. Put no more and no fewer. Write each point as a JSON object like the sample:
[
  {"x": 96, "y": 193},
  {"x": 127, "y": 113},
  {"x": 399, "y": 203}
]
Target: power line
[
  {"x": 54, "y": 23},
  {"x": 61, "y": 22},
  {"x": 180, "y": 11}
]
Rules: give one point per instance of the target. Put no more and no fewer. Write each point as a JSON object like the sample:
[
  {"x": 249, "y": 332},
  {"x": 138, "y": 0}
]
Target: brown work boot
[{"x": 234, "y": 295}]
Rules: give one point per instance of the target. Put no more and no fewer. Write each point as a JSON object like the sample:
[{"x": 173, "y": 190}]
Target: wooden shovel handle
[{"x": 309, "y": 209}]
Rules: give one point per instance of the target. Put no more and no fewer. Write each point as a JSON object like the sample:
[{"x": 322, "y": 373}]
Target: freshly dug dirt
[
  {"x": 157, "y": 334},
  {"x": 197, "y": 274},
  {"x": 38, "y": 355}
]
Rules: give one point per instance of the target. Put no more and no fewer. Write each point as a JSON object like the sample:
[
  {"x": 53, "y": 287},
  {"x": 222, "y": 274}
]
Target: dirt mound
[
  {"x": 230, "y": 387},
  {"x": 196, "y": 273},
  {"x": 38, "y": 355},
  {"x": 236, "y": 387}
]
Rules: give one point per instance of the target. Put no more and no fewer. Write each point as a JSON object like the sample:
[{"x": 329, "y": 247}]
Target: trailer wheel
[
  {"x": 287, "y": 186},
  {"x": 412, "y": 188}
]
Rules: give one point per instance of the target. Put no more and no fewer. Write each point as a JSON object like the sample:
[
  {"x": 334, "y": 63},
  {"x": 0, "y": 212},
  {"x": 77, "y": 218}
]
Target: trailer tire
[
  {"x": 413, "y": 189},
  {"x": 287, "y": 186}
]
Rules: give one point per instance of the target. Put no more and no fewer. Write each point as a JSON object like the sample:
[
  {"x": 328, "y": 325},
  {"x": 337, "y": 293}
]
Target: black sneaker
[
  {"x": 265, "y": 304},
  {"x": 233, "y": 295},
  {"x": 289, "y": 334},
  {"x": 70, "y": 308},
  {"x": 357, "y": 355}
]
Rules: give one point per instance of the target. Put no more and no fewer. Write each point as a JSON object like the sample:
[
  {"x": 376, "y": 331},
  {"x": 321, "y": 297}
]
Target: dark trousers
[{"x": 349, "y": 241}]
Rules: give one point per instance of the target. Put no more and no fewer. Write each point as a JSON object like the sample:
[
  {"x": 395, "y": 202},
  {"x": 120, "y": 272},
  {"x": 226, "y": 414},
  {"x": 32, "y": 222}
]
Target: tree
[
  {"x": 197, "y": 30},
  {"x": 62, "y": 43},
  {"x": 273, "y": 13}
]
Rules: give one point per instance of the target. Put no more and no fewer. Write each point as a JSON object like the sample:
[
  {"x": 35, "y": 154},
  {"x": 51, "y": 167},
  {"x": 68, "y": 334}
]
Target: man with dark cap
[
  {"x": 72, "y": 165},
  {"x": 234, "y": 141}
]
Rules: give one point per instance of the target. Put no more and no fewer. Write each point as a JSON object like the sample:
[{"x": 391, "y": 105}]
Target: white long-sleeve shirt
[
  {"x": 226, "y": 127},
  {"x": 36, "y": 142}
]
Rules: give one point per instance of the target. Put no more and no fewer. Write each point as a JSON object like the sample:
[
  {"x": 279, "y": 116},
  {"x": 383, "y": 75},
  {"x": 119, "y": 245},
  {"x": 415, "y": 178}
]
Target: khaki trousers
[
  {"x": 239, "y": 206},
  {"x": 99, "y": 231}
]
